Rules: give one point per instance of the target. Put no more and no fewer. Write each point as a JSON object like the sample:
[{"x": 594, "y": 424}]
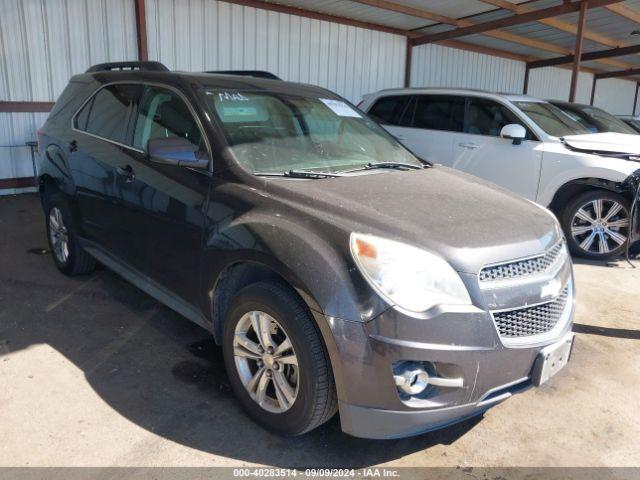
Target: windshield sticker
[
  {"x": 239, "y": 111},
  {"x": 340, "y": 108},
  {"x": 231, "y": 97}
]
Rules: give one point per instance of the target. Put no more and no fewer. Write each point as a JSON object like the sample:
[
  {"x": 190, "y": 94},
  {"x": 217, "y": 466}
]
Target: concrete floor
[{"x": 93, "y": 372}]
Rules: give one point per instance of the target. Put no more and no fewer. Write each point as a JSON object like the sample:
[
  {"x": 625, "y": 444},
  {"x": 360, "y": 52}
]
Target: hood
[
  {"x": 469, "y": 222},
  {"x": 604, "y": 143}
]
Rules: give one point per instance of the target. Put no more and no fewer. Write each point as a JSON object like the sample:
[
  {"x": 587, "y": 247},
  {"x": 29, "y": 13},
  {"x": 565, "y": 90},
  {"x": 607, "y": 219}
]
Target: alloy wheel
[
  {"x": 58, "y": 235},
  {"x": 600, "y": 226},
  {"x": 266, "y": 362}
]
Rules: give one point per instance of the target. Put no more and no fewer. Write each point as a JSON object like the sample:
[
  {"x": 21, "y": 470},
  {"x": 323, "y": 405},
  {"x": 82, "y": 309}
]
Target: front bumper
[
  {"x": 377, "y": 423},
  {"x": 461, "y": 343}
]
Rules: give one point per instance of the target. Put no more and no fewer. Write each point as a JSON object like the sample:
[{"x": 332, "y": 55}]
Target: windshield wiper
[
  {"x": 410, "y": 166},
  {"x": 393, "y": 165},
  {"x": 298, "y": 174}
]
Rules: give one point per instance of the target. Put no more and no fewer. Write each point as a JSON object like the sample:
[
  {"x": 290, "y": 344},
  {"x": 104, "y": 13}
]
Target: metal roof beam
[
  {"x": 620, "y": 73},
  {"x": 625, "y": 12},
  {"x": 586, "y": 57},
  {"x": 414, "y": 12},
  {"x": 556, "y": 23},
  {"x": 499, "y": 34},
  {"x": 301, "y": 12},
  {"x": 575, "y": 72},
  {"x": 517, "y": 19}
]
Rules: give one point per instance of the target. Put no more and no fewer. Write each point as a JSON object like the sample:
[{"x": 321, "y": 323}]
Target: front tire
[
  {"x": 277, "y": 364},
  {"x": 596, "y": 224},
  {"x": 67, "y": 253}
]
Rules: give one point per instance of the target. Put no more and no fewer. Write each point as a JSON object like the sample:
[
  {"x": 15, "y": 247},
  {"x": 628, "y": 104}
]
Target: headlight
[{"x": 412, "y": 279}]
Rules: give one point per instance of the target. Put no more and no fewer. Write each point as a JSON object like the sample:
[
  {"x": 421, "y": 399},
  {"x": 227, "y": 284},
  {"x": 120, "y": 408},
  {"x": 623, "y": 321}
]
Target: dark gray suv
[{"x": 337, "y": 271}]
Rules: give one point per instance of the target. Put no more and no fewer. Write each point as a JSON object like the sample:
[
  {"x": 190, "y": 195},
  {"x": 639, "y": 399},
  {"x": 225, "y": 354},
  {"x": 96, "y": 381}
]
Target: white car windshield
[
  {"x": 276, "y": 133},
  {"x": 551, "y": 119}
]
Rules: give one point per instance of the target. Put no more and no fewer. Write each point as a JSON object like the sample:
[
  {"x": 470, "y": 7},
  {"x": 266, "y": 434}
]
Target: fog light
[{"x": 410, "y": 377}]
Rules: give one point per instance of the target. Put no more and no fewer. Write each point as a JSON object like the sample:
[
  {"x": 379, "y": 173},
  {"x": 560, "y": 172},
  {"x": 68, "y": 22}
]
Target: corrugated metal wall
[
  {"x": 43, "y": 43},
  {"x": 554, "y": 84},
  {"x": 437, "y": 66},
  {"x": 616, "y": 96},
  {"x": 210, "y": 35}
]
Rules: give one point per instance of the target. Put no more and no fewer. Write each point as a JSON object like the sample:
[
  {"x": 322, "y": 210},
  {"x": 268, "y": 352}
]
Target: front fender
[
  {"x": 323, "y": 274},
  {"x": 560, "y": 168}
]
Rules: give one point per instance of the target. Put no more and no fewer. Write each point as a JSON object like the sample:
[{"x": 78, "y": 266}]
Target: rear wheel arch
[{"x": 47, "y": 186}]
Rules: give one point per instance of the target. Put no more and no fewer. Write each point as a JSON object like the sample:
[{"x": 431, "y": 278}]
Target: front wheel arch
[
  {"x": 242, "y": 273},
  {"x": 570, "y": 190},
  {"x": 614, "y": 234}
]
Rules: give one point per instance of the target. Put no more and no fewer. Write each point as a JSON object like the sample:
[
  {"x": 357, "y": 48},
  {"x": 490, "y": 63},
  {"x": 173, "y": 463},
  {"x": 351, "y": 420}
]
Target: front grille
[
  {"x": 531, "y": 320},
  {"x": 522, "y": 268}
]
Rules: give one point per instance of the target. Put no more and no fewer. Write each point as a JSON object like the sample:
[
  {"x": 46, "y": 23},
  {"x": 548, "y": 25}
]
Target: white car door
[
  {"x": 480, "y": 150},
  {"x": 427, "y": 125}
]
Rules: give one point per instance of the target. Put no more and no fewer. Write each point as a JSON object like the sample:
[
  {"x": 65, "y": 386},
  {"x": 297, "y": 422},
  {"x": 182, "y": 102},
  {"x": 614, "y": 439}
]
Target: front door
[
  {"x": 165, "y": 204},
  {"x": 480, "y": 150}
]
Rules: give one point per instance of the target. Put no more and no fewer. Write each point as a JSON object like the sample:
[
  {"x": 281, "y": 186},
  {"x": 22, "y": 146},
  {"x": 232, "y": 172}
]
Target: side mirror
[
  {"x": 175, "y": 151},
  {"x": 514, "y": 132}
]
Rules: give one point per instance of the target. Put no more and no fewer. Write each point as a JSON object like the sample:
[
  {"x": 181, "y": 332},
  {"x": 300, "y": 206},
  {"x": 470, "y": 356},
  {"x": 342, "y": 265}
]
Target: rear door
[
  {"x": 388, "y": 112},
  {"x": 434, "y": 124},
  {"x": 99, "y": 149},
  {"x": 479, "y": 149},
  {"x": 428, "y": 125}
]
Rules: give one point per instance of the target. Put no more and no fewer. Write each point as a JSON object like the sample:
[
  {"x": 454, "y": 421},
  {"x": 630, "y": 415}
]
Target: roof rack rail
[
  {"x": 246, "y": 73},
  {"x": 107, "y": 67}
]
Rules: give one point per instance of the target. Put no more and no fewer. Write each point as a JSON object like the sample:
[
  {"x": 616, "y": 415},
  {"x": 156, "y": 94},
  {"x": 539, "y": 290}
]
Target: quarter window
[
  {"x": 163, "y": 114},
  {"x": 110, "y": 112}
]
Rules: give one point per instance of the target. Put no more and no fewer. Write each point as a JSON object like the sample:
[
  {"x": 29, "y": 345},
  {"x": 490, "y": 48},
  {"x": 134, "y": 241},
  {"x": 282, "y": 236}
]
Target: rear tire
[
  {"x": 309, "y": 398},
  {"x": 67, "y": 253},
  {"x": 596, "y": 224}
]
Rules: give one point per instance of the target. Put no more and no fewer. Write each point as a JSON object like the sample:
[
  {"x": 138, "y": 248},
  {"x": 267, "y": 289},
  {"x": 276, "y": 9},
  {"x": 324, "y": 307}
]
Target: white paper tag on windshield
[{"x": 340, "y": 108}]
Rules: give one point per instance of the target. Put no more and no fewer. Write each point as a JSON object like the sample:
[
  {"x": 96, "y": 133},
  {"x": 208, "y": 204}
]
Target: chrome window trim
[{"x": 192, "y": 111}]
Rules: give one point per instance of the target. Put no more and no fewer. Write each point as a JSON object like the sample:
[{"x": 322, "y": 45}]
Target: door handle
[
  {"x": 73, "y": 146},
  {"x": 126, "y": 172},
  {"x": 471, "y": 146}
]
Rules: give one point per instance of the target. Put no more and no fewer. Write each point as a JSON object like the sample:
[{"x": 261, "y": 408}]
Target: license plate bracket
[{"x": 551, "y": 360}]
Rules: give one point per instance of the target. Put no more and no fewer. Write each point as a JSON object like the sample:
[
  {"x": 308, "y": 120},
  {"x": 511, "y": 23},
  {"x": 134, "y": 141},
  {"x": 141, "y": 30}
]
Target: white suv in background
[{"x": 529, "y": 147}]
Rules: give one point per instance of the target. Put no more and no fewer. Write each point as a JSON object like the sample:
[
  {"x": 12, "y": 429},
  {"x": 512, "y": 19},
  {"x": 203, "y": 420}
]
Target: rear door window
[
  {"x": 439, "y": 112},
  {"x": 110, "y": 112},
  {"x": 388, "y": 110}
]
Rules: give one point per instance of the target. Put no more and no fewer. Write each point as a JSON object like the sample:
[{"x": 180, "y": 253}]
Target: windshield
[
  {"x": 551, "y": 119},
  {"x": 600, "y": 121},
  {"x": 635, "y": 124},
  {"x": 276, "y": 133}
]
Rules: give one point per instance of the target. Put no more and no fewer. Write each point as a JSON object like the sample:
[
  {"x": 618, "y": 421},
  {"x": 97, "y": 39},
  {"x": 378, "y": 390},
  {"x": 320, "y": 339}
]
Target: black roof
[{"x": 155, "y": 71}]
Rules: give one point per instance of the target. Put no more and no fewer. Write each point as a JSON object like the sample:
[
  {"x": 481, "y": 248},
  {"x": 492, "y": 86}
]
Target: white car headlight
[{"x": 406, "y": 276}]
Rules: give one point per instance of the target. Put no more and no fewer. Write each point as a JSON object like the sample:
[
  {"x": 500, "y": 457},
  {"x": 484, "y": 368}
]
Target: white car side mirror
[{"x": 514, "y": 132}]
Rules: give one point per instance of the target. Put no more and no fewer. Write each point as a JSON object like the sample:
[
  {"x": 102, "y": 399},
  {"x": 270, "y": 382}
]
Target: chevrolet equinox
[{"x": 338, "y": 271}]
